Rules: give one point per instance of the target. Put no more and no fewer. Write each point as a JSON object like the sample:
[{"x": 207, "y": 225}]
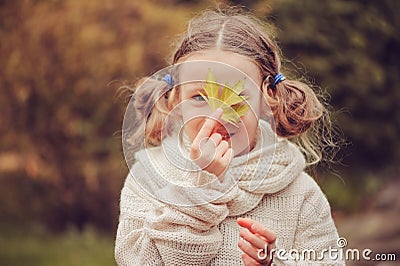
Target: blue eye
[{"x": 198, "y": 98}]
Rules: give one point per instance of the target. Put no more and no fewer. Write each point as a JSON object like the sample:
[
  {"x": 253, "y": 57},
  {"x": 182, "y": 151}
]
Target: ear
[
  {"x": 178, "y": 110},
  {"x": 177, "y": 106}
]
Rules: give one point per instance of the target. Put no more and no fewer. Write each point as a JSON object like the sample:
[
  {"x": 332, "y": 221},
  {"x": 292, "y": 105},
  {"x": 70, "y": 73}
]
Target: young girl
[{"x": 208, "y": 190}]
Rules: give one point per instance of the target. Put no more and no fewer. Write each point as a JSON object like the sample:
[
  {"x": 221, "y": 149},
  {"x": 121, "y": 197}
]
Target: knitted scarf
[{"x": 167, "y": 174}]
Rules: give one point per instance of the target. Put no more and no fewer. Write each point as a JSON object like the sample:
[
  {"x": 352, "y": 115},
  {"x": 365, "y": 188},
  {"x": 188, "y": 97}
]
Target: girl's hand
[
  {"x": 259, "y": 244},
  {"x": 208, "y": 150}
]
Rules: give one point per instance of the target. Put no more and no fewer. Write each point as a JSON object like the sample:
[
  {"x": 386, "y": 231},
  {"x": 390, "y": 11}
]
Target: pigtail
[
  {"x": 152, "y": 104},
  {"x": 295, "y": 108},
  {"x": 301, "y": 115}
]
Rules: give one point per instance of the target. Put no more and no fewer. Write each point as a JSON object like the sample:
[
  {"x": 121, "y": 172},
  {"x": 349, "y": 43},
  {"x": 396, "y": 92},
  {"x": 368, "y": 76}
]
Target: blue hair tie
[
  {"x": 168, "y": 78},
  {"x": 278, "y": 78}
]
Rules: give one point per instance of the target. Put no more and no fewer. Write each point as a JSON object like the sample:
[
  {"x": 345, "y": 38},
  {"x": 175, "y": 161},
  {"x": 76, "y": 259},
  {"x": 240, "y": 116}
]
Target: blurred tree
[
  {"x": 59, "y": 159},
  {"x": 352, "y": 49}
]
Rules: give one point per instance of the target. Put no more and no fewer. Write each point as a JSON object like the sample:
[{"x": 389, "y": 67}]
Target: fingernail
[
  {"x": 218, "y": 111},
  {"x": 255, "y": 227}
]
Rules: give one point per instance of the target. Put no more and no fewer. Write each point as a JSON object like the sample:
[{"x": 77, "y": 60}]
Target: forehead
[{"x": 226, "y": 66}]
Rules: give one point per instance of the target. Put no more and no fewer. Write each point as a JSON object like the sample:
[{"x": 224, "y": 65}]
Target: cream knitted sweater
[{"x": 170, "y": 215}]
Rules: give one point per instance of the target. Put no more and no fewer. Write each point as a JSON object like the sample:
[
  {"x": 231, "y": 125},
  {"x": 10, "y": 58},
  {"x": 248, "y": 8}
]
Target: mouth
[{"x": 226, "y": 136}]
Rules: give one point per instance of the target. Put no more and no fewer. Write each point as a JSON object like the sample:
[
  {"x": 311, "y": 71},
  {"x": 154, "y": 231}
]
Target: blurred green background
[{"x": 61, "y": 161}]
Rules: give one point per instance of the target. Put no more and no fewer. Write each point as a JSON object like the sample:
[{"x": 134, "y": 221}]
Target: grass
[{"x": 38, "y": 247}]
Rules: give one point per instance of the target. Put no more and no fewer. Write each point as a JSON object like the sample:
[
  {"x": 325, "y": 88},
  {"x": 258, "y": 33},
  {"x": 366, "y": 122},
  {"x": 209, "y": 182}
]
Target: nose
[{"x": 228, "y": 127}]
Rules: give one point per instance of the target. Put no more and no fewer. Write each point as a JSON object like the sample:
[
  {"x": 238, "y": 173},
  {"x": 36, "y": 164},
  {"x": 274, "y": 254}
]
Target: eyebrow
[{"x": 193, "y": 86}]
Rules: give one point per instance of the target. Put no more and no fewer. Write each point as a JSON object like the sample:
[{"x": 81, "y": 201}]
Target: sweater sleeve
[
  {"x": 316, "y": 235},
  {"x": 132, "y": 245},
  {"x": 152, "y": 232}
]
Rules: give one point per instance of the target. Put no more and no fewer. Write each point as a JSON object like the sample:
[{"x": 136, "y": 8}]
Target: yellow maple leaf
[{"x": 230, "y": 100}]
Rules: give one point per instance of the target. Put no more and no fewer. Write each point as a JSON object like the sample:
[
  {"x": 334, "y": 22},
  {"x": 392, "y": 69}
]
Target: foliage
[
  {"x": 229, "y": 100},
  {"x": 61, "y": 161},
  {"x": 62, "y": 62},
  {"x": 351, "y": 49}
]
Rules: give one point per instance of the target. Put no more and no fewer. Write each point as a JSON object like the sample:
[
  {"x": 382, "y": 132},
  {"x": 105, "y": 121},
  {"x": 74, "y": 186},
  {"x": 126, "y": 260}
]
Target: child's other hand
[
  {"x": 259, "y": 244},
  {"x": 208, "y": 150}
]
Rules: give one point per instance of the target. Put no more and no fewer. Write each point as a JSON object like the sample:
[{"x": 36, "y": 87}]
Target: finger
[
  {"x": 216, "y": 139},
  {"x": 271, "y": 250},
  {"x": 253, "y": 239},
  {"x": 222, "y": 162},
  {"x": 259, "y": 229},
  {"x": 208, "y": 126},
  {"x": 248, "y": 261},
  {"x": 249, "y": 250},
  {"x": 225, "y": 161},
  {"x": 245, "y": 222},
  {"x": 208, "y": 148},
  {"x": 227, "y": 157},
  {"x": 221, "y": 149}
]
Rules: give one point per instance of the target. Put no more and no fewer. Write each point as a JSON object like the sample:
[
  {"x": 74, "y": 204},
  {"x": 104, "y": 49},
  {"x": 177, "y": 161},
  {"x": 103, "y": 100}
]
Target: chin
[{"x": 239, "y": 149}]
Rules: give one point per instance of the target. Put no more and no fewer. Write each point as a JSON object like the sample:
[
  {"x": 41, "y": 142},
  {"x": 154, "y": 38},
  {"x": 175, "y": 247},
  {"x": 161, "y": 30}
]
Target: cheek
[
  {"x": 189, "y": 113},
  {"x": 191, "y": 109},
  {"x": 191, "y": 127},
  {"x": 248, "y": 133},
  {"x": 193, "y": 117},
  {"x": 252, "y": 136},
  {"x": 252, "y": 117},
  {"x": 250, "y": 127}
]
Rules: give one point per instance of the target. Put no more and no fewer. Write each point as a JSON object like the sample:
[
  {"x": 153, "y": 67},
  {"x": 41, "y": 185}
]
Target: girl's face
[{"x": 227, "y": 67}]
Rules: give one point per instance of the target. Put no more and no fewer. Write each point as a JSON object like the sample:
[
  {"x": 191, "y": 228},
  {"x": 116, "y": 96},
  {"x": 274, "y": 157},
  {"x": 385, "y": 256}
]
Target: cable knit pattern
[{"x": 171, "y": 216}]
